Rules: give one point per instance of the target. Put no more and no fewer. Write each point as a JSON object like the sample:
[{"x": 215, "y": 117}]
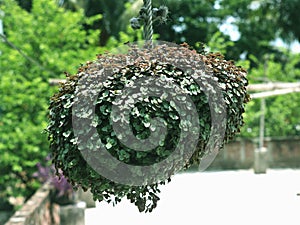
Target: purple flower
[{"x": 47, "y": 173}]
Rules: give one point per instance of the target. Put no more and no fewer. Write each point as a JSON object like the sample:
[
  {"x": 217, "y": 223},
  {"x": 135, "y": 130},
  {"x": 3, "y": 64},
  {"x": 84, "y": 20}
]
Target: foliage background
[
  {"x": 56, "y": 40},
  {"x": 56, "y": 36}
]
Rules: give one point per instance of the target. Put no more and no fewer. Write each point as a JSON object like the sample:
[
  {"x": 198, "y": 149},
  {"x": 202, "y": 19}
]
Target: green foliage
[
  {"x": 111, "y": 11},
  {"x": 258, "y": 22},
  {"x": 51, "y": 40},
  {"x": 64, "y": 143},
  {"x": 217, "y": 43},
  {"x": 288, "y": 19},
  {"x": 282, "y": 115},
  {"x": 189, "y": 21}
]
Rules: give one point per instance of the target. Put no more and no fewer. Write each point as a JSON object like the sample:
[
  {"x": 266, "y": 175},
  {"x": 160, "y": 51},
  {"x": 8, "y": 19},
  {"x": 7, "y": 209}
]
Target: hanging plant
[{"x": 126, "y": 122}]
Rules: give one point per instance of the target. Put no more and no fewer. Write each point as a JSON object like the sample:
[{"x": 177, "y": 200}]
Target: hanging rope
[
  {"x": 147, "y": 16},
  {"x": 148, "y": 27}
]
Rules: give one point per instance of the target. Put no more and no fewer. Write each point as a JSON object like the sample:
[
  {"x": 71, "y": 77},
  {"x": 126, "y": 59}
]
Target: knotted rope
[
  {"x": 148, "y": 27},
  {"x": 146, "y": 17}
]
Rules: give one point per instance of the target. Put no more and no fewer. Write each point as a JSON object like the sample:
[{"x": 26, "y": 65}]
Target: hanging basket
[{"x": 196, "y": 103}]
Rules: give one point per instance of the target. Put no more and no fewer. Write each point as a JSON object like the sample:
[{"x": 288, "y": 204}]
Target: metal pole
[
  {"x": 261, "y": 153},
  {"x": 262, "y": 122},
  {"x": 262, "y": 113}
]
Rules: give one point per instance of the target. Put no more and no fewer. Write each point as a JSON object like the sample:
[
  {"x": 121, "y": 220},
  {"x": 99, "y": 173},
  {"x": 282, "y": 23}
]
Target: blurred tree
[
  {"x": 25, "y": 4},
  {"x": 289, "y": 19},
  {"x": 110, "y": 10},
  {"x": 189, "y": 21},
  {"x": 37, "y": 46},
  {"x": 282, "y": 115},
  {"x": 259, "y": 23}
]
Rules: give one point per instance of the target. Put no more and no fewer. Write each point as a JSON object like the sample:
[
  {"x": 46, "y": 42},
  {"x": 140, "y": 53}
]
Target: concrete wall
[
  {"x": 38, "y": 210},
  {"x": 239, "y": 154}
]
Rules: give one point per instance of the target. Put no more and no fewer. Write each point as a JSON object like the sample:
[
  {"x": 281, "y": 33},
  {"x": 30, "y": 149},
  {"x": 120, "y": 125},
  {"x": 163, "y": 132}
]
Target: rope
[
  {"x": 148, "y": 27},
  {"x": 147, "y": 16}
]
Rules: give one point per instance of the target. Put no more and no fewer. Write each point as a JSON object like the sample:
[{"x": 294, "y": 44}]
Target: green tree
[
  {"x": 38, "y": 45},
  {"x": 282, "y": 114},
  {"x": 258, "y": 22},
  {"x": 189, "y": 21},
  {"x": 289, "y": 19}
]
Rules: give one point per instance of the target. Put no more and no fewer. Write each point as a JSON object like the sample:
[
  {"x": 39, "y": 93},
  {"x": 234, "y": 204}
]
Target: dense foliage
[
  {"x": 282, "y": 112},
  {"x": 64, "y": 136},
  {"x": 51, "y": 40},
  {"x": 192, "y": 21}
]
